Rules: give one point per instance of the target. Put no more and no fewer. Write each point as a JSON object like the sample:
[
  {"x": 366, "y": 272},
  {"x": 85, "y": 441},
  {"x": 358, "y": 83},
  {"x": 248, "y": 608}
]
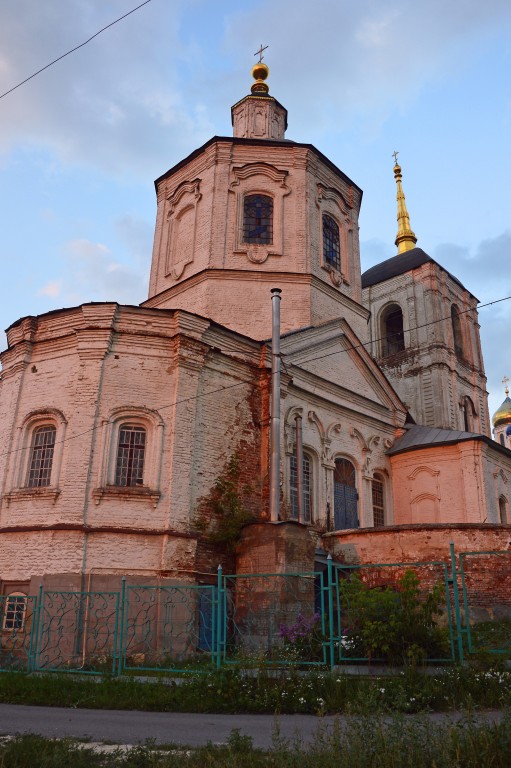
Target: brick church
[{"x": 122, "y": 426}]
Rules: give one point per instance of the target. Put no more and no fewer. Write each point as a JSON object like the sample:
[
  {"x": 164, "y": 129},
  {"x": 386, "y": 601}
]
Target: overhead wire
[
  {"x": 244, "y": 383},
  {"x": 59, "y": 58}
]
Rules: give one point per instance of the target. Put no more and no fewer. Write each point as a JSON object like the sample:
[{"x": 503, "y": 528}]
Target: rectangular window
[
  {"x": 129, "y": 469},
  {"x": 258, "y": 219},
  {"x": 378, "y": 504},
  {"x": 14, "y": 613},
  {"x": 41, "y": 457},
  {"x": 307, "y": 488}
]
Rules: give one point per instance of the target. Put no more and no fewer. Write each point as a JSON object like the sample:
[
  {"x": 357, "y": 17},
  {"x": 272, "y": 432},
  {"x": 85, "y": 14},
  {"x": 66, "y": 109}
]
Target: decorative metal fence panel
[
  {"x": 17, "y": 620},
  {"x": 274, "y": 619},
  {"x": 486, "y": 606},
  {"x": 395, "y": 611},
  {"x": 169, "y": 627},
  {"x": 77, "y": 631}
]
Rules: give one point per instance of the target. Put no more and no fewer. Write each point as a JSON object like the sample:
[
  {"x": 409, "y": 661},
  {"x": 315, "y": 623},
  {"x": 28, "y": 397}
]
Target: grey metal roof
[
  {"x": 398, "y": 265},
  {"x": 417, "y": 436}
]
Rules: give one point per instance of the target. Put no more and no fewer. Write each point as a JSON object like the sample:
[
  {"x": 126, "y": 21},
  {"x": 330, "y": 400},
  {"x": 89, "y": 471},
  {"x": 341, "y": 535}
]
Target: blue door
[{"x": 345, "y": 496}]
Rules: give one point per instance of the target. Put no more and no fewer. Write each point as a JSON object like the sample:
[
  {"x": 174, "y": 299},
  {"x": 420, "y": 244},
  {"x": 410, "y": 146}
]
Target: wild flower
[{"x": 302, "y": 628}]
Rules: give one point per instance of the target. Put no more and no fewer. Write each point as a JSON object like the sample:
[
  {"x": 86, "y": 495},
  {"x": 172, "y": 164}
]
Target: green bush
[{"x": 396, "y": 624}]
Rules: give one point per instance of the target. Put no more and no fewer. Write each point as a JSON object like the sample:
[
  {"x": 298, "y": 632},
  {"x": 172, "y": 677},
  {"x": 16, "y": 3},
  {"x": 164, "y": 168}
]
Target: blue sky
[{"x": 81, "y": 144}]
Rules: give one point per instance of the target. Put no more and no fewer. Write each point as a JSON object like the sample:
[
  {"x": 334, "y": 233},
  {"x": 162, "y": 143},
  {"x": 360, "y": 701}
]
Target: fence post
[
  {"x": 34, "y": 634},
  {"x": 330, "y": 587},
  {"x": 455, "y": 592},
  {"x": 219, "y": 616},
  {"x": 120, "y": 634}
]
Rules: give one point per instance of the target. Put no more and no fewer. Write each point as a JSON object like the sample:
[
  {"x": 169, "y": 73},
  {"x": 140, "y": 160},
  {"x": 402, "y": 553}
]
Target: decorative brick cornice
[
  {"x": 32, "y": 494},
  {"x": 126, "y": 493}
]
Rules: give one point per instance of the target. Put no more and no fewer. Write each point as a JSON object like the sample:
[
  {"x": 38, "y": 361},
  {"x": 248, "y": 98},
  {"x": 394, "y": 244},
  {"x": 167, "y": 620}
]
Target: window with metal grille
[
  {"x": 129, "y": 468},
  {"x": 307, "y": 487},
  {"x": 258, "y": 219},
  {"x": 378, "y": 503},
  {"x": 331, "y": 243},
  {"x": 14, "y": 611},
  {"x": 41, "y": 457}
]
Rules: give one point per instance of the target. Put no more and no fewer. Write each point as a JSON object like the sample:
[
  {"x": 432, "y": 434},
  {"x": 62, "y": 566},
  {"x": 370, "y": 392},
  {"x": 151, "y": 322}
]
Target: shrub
[{"x": 392, "y": 623}]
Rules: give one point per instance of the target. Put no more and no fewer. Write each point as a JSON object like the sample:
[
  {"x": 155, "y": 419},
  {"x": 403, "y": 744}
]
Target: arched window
[
  {"x": 468, "y": 411},
  {"x": 345, "y": 495},
  {"x": 501, "y": 438},
  {"x": 378, "y": 502},
  {"x": 258, "y": 219},
  {"x": 15, "y": 608},
  {"x": 393, "y": 337},
  {"x": 503, "y": 510},
  {"x": 307, "y": 487},
  {"x": 331, "y": 243},
  {"x": 129, "y": 467},
  {"x": 41, "y": 456},
  {"x": 456, "y": 331}
]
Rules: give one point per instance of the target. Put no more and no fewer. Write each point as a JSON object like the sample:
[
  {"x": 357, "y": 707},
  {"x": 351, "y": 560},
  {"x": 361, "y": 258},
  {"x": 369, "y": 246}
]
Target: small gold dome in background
[{"x": 503, "y": 414}]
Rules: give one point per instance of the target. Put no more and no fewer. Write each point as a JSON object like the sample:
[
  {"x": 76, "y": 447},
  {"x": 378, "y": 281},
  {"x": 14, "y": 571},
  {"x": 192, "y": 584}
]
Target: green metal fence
[
  {"x": 426, "y": 612},
  {"x": 485, "y": 625},
  {"x": 397, "y": 611}
]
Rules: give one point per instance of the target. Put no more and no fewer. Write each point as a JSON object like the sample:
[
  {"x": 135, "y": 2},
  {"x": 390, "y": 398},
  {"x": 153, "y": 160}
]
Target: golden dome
[
  {"x": 503, "y": 414},
  {"x": 260, "y": 72}
]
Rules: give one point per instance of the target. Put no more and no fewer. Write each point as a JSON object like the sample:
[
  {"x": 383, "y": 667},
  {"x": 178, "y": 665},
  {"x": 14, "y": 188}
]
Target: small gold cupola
[
  {"x": 502, "y": 415},
  {"x": 405, "y": 238},
  {"x": 259, "y": 115}
]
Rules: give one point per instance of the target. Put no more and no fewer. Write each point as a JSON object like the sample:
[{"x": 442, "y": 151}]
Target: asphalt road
[{"x": 129, "y": 727}]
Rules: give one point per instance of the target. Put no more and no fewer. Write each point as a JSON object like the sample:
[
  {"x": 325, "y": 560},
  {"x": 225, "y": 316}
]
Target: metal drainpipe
[
  {"x": 275, "y": 407},
  {"x": 299, "y": 469}
]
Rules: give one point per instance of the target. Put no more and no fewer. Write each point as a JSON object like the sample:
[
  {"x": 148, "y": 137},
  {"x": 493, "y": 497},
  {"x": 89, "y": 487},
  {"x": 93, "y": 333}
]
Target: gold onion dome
[
  {"x": 260, "y": 72},
  {"x": 503, "y": 414}
]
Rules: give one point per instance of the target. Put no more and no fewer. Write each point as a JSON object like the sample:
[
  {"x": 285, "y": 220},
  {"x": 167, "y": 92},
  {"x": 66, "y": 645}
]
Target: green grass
[
  {"x": 233, "y": 692},
  {"x": 364, "y": 743}
]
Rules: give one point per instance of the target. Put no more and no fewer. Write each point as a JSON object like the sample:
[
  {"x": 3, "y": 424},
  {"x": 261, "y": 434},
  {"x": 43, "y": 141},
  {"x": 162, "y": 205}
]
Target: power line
[
  {"x": 408, "y": 330},
  {"x": 243, "y": 383},
  {"x": 73, "y": 49}
]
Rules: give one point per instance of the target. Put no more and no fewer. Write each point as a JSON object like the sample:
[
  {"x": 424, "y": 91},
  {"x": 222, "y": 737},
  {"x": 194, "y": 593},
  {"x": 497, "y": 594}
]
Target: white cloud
[
  {"x": 93, "y": 274},
  {"x": 51, "y": 289}
]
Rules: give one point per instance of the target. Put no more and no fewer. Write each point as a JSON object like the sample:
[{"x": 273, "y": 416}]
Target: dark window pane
[
  {"x": 393, "y": 334},
  {"x": 258, "y": 219},
  {"x": 456, "y": 331},
  {"x": 331, "y": 244}
]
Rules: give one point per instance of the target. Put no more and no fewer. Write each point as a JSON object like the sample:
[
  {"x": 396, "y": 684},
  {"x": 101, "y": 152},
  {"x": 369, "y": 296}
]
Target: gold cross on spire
[
  {"x": 260, "y": 52},
  {"x": 394, "y": 155},
  {"x": 505, "y": 382}
]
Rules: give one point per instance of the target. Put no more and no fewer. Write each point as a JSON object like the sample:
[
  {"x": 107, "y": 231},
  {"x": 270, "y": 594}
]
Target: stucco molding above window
[
  {"x": 18, "y": 484},
  {"x": 259, "y": 179},
  {"x": 149, "y": 489},
  {"x": 332, "y": 203},
  {"x": 181, "y": 227}
]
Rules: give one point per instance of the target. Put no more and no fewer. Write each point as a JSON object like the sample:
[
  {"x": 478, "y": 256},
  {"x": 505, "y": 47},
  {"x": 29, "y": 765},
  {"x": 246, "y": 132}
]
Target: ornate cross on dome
[
  {"x": 394, "y": 155},
  {"x": 260, "y": 52},
  {"x": 505, "y": 382}
]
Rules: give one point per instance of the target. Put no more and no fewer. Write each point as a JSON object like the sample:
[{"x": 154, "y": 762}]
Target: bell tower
[{"x": 425, "y": 333}]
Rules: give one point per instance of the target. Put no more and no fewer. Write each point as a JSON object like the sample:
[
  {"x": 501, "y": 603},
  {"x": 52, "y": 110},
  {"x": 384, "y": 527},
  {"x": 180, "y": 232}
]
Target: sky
[{"x": 81, "y": 143}]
